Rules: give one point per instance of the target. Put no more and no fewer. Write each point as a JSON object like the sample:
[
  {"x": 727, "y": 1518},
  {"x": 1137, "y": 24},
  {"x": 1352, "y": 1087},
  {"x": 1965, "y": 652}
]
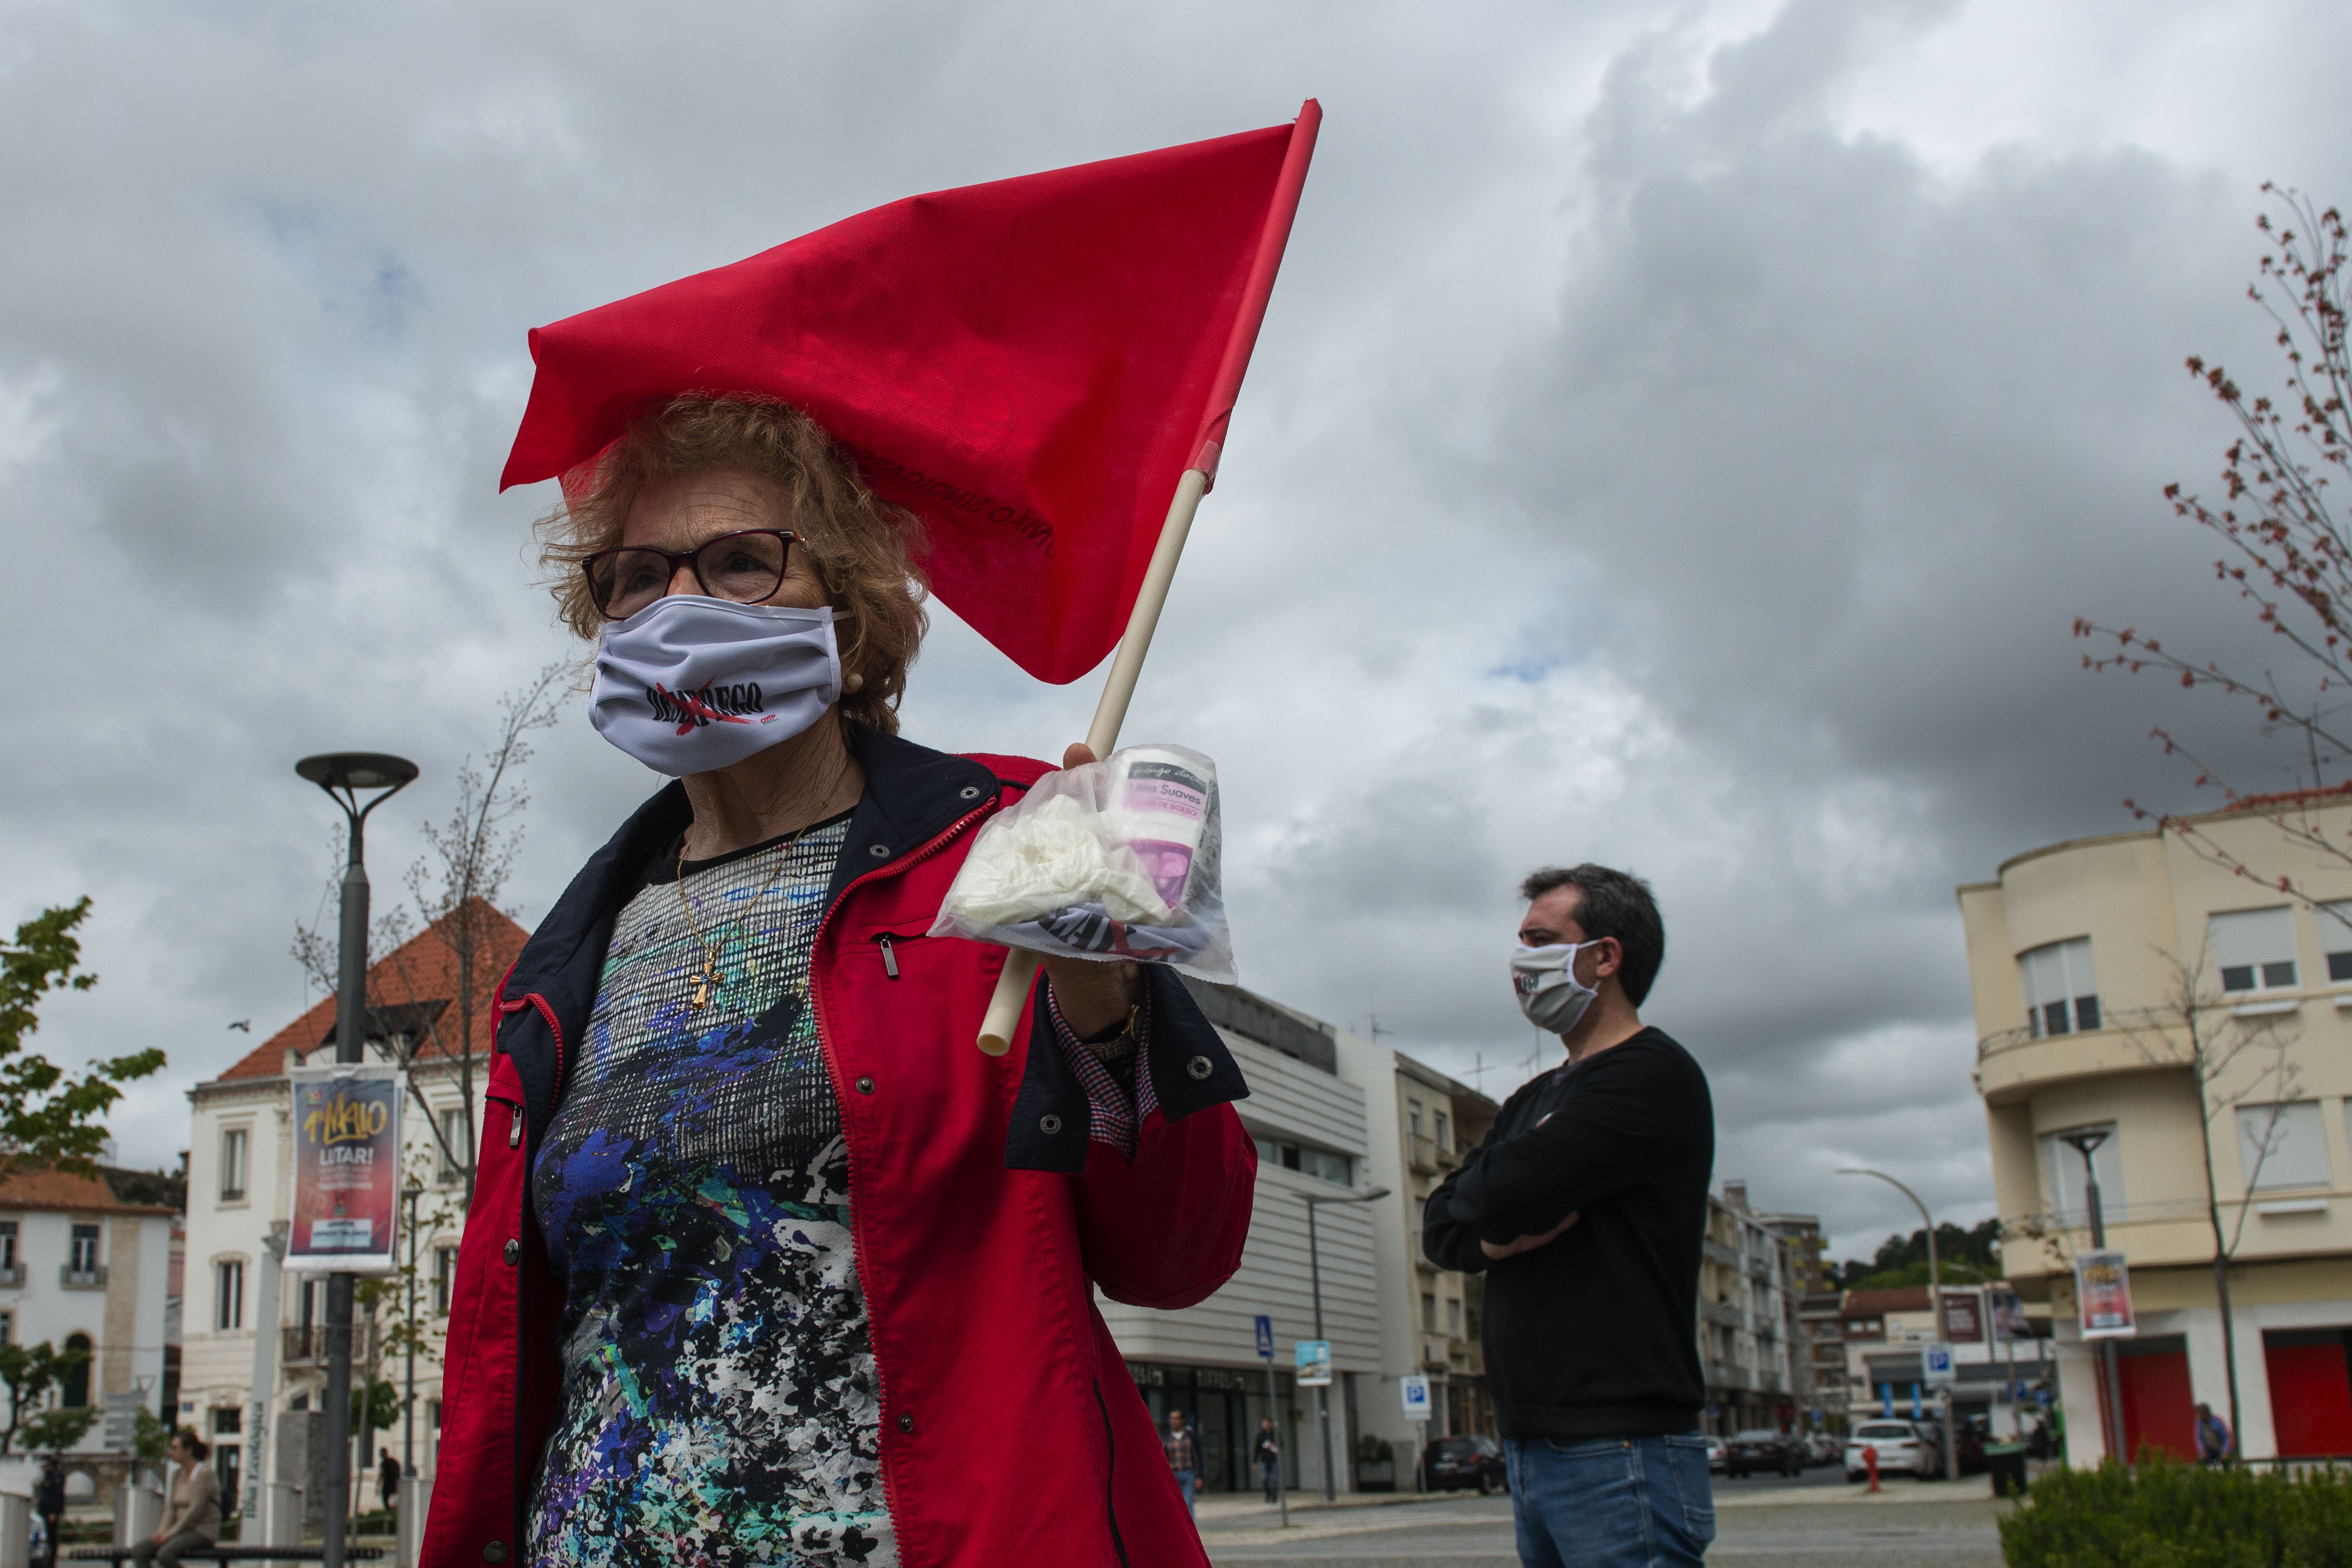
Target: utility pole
[{"x": 1315, "y": 1272}]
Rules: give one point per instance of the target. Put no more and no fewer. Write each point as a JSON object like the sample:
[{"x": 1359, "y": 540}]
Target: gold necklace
[{"x": 783, "y": 859}]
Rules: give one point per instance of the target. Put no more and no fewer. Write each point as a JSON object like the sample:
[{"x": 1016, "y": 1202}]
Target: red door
[
  {"x": 2311, "y": 1398},
  {"x": 2159, "y": 1411}
]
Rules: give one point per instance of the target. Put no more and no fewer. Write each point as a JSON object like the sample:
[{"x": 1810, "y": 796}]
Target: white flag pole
[
  {"x": 1002, "y": 1019},
  {"x": 1003, "y": 1016}
]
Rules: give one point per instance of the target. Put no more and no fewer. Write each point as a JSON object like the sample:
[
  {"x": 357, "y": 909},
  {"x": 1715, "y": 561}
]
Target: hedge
[{"x": 2162, "y": 1514}]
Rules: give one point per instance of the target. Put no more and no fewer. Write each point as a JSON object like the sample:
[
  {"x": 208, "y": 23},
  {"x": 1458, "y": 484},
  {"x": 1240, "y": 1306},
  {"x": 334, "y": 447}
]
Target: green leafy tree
[
  {"x": 55, "y": 1431},
  {"x": 29, "y": 1371},
  {"x": 150, "y": 1436},
  {"x": 48, "y": 1116}
]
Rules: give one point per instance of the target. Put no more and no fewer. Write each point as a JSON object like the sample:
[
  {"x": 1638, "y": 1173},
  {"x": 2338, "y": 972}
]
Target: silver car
[{"x": 1901, "y": 1444}]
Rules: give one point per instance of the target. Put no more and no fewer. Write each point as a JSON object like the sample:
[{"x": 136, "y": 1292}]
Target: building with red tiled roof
[
  {"x": 85, "y": 1264},
  {"x": 428, "y": 1002}
]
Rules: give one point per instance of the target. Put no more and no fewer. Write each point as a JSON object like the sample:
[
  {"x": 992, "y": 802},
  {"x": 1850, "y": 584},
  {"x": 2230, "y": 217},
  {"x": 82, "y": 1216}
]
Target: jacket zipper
[
  {"x": 889, "y": 957},
  {"x": 833, "y": 1074},
  {"x": 1110, "y": 1475}
]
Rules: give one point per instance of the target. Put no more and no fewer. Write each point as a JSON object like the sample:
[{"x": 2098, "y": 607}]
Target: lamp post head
[
  {"x": 351, "y": 770},
  {"x": 2086, "y": 1141},
  {"x": 1314, "y": 1197}
]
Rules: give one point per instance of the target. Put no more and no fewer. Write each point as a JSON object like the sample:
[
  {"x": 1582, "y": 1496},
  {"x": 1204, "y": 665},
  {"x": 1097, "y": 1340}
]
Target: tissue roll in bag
[{"x": 1055, "y": 857}]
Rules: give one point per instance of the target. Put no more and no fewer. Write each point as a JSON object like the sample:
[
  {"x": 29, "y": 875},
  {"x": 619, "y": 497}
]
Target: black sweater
[{"x": 1594, "y": 1336}]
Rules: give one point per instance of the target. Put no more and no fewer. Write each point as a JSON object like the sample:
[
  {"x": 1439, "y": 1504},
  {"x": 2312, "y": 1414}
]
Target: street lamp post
[
  {"x": 1315, "y": 1272},
  {"x": 1935, "y": 1306},
  {"x": 2085, "y": 1142},
  {"x": 345, "y": 776},
  {"x": 408, "y": 1407}
]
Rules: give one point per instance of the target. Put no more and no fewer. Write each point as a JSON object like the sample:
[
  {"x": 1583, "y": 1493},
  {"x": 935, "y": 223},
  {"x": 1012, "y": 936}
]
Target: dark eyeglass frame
[{"x": 692, "y": 559}]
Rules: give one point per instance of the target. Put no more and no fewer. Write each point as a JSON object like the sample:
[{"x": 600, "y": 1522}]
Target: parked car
[
  {"x": 1828, "y": 1448},
  {"x": 1901, "y": 1444},
  {"x": 1457, "y": 1462},
  {"x": 1714, "y": 1455},
  {"x": 1762, "y": 1448}
]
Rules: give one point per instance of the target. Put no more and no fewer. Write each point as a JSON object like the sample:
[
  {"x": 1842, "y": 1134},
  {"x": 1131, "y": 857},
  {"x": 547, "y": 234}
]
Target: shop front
[{"x": 1223, "y": 1405}]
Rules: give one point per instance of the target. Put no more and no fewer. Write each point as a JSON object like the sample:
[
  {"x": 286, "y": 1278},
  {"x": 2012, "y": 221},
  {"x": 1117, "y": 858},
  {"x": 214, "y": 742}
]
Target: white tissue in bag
[{"x": 1052, "y": 857}]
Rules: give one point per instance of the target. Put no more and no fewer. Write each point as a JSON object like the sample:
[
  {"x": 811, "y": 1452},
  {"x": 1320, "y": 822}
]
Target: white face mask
[
  {"x": 689, "y": 684},
  {"x": 1544, "y": 980}
]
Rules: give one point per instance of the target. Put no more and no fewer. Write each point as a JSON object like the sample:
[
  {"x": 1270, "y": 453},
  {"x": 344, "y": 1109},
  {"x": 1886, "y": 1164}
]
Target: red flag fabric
[{"x": 1027, "y": 365}]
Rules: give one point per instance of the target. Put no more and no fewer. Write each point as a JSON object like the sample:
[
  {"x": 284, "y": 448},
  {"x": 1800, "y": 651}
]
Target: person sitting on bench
[{"x": 193, "y": 1518}]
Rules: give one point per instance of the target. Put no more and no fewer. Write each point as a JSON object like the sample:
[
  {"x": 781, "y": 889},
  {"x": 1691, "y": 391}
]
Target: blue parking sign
[{"x": 1264, "y": 1337}]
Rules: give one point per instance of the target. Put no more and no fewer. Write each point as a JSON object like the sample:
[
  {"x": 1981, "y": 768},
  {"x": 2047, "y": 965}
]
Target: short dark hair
[
  {"x": 1611, "y": 904},
  {"x": 196, "y": 1446}
]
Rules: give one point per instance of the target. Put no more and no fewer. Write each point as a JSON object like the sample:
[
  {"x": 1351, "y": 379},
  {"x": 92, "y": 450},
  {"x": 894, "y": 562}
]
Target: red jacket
[{"x": 983, "y": 1214}]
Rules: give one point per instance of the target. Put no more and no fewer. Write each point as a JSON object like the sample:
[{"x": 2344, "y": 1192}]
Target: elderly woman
[{"x": 767, "y": 1263}]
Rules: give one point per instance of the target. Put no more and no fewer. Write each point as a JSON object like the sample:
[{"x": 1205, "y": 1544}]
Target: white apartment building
[
  {"x": 85, "y": 1264},
  {"x": 1310, "y": 1126},
  {"x": 1421, "y": 1122}
]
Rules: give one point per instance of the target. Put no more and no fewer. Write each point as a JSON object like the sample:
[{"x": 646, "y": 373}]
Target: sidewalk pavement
[{"x": 1251, "y": 1512}]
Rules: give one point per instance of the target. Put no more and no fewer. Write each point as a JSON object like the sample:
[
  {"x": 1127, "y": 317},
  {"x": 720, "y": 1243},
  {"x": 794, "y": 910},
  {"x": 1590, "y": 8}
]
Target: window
[
  {"x": 8, "y": 1259},
  {"x": 228, "y": 1421},
  {"x": 74, "y": 1390},
  {"x": 2282, "y": 1146},
  {"x": 228, "y": 1296},
  {"x": 228, "y": 1466},
  {"x": 445, "y": 1277},
  {"x": 1429, "y": 1310},
  {"x": 234, "y": 1144},
  {"x": 2336, "y": 940},
  {"x": 83, "y": 1258},
  {"x": 2063, "y": 1165},
  {"x": 1438, "y": 1120},
  {"x": 1324, "y": 1164},
  {"x": 2255, "y": 949},
  {"x": 2061, "y": 993},
  {"x": 454, "y": 1143},
  {"x": 7, "y": 1328},
  {"x": 1413, "y": 1116},
  {"x": 1453, "y": 1317}
]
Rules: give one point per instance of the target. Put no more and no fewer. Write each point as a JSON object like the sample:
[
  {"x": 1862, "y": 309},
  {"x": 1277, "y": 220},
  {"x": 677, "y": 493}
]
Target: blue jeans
[
  {"x": 1184, "y": 1480},
  {"x": 1611, "y": 1502}
]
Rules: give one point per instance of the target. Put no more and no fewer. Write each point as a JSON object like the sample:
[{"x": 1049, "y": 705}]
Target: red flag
[{"x": 1027, "y": 365}]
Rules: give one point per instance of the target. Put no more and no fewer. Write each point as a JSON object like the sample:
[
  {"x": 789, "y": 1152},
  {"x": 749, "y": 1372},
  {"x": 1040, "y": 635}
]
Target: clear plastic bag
[{"x": 1117, "y": 860}]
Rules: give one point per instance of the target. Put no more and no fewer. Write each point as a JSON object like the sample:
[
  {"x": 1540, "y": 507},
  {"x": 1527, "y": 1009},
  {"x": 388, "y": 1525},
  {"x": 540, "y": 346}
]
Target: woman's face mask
[
  {"x": 1544, "y": 981},
  {"x": 689, "y": 684}
]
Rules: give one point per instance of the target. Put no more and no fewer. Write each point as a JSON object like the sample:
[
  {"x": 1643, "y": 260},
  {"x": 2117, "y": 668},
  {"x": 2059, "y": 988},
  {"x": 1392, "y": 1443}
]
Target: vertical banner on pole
[
  {"x": 346, "y": 1168},
  {"x": 2103, "y": 1291}
]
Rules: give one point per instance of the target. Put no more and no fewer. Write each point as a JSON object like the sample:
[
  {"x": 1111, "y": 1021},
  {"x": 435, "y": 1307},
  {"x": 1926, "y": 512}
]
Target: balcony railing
[
  {"x": 303, "y": 1347},
  {"x": 1429, "y": 1157},
  {"x": 12, "y": 1277},
  {"x": 1716, "y": 1252},
  {"x": 91, "y": 1278},
  {"x": 1722, "y": 1312}
]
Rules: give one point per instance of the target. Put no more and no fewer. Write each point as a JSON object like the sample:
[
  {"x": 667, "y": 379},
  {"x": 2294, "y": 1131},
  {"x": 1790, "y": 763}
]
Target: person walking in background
[
  {"x": 1183, "y": 1455},
  {"x": 2213, "y": 1438},
  {"x": 1269, "y": 1459},
  {"x": 50, "y": 1503},
  {"x": 193, "y": 1518},
  {"x": 387, "y": 1481},
  {"x": 1584, "y": 1208}
]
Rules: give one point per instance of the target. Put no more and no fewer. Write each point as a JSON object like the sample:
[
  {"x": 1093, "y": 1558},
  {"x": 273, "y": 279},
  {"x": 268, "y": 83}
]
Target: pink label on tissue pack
[{"x": 1164, "y": 787}]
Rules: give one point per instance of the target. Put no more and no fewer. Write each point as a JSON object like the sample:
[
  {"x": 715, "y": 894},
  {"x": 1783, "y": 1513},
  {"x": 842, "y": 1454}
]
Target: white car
[
  {"x": 1901, "y": 1447},
  {"x": 1714, "y": 1455}
]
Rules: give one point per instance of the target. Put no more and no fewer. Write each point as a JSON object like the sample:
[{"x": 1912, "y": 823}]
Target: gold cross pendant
[{"x": 702, "y": 986}]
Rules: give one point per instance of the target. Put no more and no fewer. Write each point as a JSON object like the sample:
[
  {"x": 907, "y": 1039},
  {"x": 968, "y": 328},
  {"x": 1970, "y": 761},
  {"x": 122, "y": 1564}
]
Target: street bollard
[{"x": 1870, "y": 1463}]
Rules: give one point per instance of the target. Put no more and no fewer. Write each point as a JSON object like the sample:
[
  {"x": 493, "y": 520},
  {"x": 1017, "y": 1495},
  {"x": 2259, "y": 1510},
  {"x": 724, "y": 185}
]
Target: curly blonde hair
[{"x": 868, "y": 551}]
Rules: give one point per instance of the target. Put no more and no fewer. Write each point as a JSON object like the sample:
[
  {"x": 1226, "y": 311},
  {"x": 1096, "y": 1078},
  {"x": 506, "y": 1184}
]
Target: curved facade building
[{"x": 2101, "y": 969}]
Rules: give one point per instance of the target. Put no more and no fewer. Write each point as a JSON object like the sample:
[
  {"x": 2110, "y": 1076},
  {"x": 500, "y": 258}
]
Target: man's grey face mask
[{"x": 1544, "y": 978}]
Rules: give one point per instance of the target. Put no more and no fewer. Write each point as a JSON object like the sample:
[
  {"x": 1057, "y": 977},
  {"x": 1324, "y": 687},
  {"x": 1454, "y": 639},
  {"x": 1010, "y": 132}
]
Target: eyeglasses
[{"x": 747, "y": 567}]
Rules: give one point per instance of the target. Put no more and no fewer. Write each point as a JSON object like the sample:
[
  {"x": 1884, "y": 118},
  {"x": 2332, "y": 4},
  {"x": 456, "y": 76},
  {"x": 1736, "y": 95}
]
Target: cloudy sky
[{"x": 1681, "y": 438}]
